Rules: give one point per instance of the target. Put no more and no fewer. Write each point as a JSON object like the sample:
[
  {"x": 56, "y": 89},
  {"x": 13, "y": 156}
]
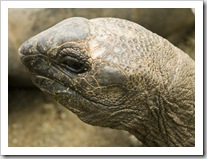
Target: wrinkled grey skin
[
  {"x": 171, "y": 23},
  {"x": 115, "y": 73}
]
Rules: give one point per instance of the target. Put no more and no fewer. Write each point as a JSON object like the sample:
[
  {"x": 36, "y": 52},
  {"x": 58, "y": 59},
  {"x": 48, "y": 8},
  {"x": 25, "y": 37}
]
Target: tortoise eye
[{"x": 73, "y": 65}]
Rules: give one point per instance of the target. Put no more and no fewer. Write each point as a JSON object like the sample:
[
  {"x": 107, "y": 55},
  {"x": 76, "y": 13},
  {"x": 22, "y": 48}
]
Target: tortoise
[
  {"x": 176, "y": 24},
  {"x": 115, "y": 73}
]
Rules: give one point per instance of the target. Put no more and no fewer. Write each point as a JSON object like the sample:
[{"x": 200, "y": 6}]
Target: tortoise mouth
[
  {"x": 47, "y": 75},
  {"x": 50, "y": 86}
]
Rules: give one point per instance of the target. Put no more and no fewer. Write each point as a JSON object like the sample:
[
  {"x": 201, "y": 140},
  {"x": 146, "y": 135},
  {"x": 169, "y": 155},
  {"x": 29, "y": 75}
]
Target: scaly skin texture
[{"x": 115, "y": 73}]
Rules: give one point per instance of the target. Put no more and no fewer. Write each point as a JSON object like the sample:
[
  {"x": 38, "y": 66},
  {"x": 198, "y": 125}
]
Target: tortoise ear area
[{"x": 109, "y": 74}]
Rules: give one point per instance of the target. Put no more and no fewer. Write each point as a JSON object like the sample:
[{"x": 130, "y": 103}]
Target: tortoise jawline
[{"x": 50, "y": 86}]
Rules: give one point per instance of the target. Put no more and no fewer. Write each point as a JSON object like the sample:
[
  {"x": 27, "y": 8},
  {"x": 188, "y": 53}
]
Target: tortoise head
[
  {"x": 115, "y": 73},
  {"x": 72, "y": 62}
]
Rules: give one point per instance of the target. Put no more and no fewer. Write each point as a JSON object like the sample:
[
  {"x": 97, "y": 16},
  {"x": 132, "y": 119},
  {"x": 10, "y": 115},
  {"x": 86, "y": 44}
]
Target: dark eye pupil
[{"x": 73, "y": 65}]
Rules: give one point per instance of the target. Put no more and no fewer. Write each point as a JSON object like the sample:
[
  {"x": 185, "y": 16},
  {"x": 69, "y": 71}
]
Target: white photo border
[{"x": 197, "y": 150}]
